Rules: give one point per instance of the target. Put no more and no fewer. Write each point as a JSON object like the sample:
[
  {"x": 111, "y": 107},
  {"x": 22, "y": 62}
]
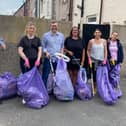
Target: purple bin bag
[
  {"x": 50, "y": 83},
  {"x": 8, "y": 85},
  {"x": 105, "y": 88},
  {"x": 82, "y": 88},
  {"x": 63, "y": 89},
  {"x": 114, "y": 77},
  {"x": 31, "y": 87}
]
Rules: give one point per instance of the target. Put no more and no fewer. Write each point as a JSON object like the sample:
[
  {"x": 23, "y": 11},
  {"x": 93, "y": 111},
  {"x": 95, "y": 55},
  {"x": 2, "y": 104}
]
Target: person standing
[
  {"x": 52, "y": 42},
  {"x": 75, "y": 50},
  {"x": 115, "y": 49},
  {"x": 97, "y": 53},
  {"x": 2, "y": 43},
  {"x": 29, "y": 49}
]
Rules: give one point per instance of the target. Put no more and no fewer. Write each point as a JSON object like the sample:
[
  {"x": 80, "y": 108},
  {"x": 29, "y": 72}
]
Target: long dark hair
[{"x": 72, "y": 31}]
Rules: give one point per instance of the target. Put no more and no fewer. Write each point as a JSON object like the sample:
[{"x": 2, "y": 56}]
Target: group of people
[{"x": 32, "y": 49}]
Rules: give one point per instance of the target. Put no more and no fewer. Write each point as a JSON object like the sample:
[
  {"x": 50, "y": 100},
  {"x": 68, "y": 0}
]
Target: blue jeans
[{"x": 46, "y": 69}]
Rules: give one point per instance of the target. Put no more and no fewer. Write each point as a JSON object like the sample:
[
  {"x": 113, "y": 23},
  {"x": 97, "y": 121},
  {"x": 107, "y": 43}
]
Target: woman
[
  {"x": 115, "y": 50},
  {"x": 74, "y": 49},
  {"x": 29, "y": 49},
  {"x": 97, "y": 53},
  {"x": 115, "y": 58}
]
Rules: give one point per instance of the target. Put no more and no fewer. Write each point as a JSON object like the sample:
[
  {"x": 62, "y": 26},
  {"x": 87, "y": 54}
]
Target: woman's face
[
  {"x": 114, "y": 36},
  {"x": 31, "y": 30},
  {"x": 97, "y": 34},
  {"x": 75, "y": 32}
]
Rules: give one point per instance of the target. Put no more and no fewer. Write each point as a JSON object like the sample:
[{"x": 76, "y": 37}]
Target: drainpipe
[
  {"x": 101, "y": 9},
  {"x": 36, "y": 9},
  {"x": 82, "y": 8},
  {"x": 39, "y": 9},
  {"x": 54, "y": 9},
  {"x": 71, "y": 10}
]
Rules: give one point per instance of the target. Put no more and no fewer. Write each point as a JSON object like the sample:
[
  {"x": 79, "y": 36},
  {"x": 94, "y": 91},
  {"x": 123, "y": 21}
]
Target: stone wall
[{"x": 12, "y": 29}]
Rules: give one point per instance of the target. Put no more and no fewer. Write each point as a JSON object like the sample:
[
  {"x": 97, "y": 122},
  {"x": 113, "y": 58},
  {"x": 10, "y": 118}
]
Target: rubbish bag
[
  {"x": 114, "y": 77},
  {"x": 8, "y": 85},
  {"x": 50, "y": 83},
  {"x": 104, "y": 87},
  {"x": 82, "y": 88},
  {"x": 31, "y": 87},
  {"x": 63, "y": 89}
]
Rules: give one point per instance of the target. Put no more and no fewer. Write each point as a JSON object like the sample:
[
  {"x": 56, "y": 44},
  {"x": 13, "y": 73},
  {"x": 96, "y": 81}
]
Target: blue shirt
[
  {"x": 52, "y": 43},
  {"x": 1, "y": 41}
]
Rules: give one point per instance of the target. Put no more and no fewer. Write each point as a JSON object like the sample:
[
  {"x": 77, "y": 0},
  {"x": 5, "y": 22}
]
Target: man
[{"x": 52, "y": 42}]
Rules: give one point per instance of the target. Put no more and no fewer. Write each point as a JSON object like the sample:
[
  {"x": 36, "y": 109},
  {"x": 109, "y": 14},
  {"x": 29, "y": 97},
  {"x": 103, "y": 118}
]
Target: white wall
[
  {"x": 46, "y": 9},
  {"x": 114, "y": 11},
  {"x": 91, "y": 8},
  {"x": 76, "y": 12}
]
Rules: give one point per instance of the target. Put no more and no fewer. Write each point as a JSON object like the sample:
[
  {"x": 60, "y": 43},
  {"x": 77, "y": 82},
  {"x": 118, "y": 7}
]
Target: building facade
[
  {"x": 24, "y": 10},
  {"x": 77, "y": 12},
  {"x": 46, "y": 9},
  {"x": 104, "y": 12}
]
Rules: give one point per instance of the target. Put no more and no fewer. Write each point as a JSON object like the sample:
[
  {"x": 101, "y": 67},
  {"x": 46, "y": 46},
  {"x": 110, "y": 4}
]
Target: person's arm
[
  {"x": 21, "y": 53},
  {"x": 65, "y": 48},
  {"x": 105, "y": 50},
  {"x": 39, "y": 53},
  {"x": 62, "y": 44},
  {"x": 89, "y": 53},
  {"x": 2, "y": 43},
  {"x": 3, "y": 46},
  {"x": 83, "y": 57},
  {"x": 44, "y": 45},
  {"x": 121, "y": 52},
  {"x": 89, "y": 49}
]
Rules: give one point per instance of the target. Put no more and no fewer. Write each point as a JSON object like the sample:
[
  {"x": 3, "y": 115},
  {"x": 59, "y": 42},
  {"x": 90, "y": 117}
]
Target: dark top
[
  {"x": 76, "y": 46},
  {"x": 30, "y": 46},
  {"x": 120, "y": 55}
]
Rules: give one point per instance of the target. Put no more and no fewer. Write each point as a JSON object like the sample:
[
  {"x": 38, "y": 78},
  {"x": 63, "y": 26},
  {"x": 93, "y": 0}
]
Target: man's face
[{"x": 54, "y": 27}]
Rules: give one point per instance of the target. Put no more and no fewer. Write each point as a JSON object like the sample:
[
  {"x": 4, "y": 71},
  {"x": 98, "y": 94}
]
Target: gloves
[
  {"x": 104, "y": 62},
  {"x": 27, "y": 64},
  {"x": 37, "y": 63},
  {"x": 90, "y": 62}
]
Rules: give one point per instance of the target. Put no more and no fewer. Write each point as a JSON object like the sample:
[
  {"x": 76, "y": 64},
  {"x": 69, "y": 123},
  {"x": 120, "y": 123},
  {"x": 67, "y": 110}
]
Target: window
[{"x": 91, "y": 19}]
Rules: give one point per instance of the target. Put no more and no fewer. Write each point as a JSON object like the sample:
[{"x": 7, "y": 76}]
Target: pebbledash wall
[{"x": 12, "y": 29}]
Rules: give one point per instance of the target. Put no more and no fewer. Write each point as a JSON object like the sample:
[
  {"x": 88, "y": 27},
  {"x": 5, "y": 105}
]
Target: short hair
[{"x": 53, "y": 22}]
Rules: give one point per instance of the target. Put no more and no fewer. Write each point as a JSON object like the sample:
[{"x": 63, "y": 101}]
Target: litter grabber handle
[{"x": 62, "y": 56}]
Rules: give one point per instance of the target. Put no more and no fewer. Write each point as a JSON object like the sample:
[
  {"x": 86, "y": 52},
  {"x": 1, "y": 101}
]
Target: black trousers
[
  {"x": 24, "y": 68},
  {"x": 94, "y": 69}
]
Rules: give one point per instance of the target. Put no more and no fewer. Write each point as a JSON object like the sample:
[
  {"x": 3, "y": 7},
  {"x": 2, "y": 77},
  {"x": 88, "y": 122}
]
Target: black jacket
[{"x": 120, "y": 56}]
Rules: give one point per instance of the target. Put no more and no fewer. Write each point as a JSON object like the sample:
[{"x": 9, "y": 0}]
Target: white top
[{"x": 97, "y": 50}]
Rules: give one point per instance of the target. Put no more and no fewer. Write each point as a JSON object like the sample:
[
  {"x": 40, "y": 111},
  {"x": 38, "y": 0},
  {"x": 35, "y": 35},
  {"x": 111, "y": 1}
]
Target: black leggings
[
  {"x": 94, "y": 69},
  {"x": 24, "y": 68}
]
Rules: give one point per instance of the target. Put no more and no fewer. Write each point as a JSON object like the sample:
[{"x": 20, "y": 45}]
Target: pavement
[{"x": 75, "y": 113}]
